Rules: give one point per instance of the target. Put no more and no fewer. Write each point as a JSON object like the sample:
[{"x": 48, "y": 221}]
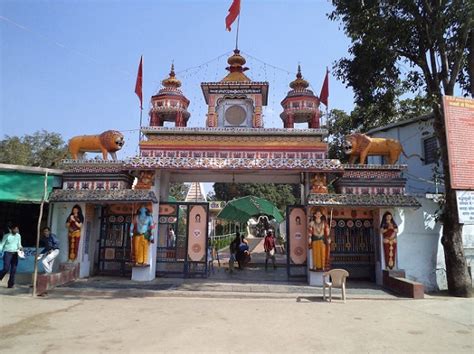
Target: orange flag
[
  {"x": 138, "y": 84},
  {"x": 324, "y": 95},
  {"x": 234, "y": 11}
]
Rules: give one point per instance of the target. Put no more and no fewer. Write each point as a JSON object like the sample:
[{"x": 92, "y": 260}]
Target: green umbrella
[{"x": 242, "y": 209}]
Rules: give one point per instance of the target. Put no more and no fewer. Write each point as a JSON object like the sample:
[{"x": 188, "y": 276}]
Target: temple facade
[{"x": 340, "y": 218}]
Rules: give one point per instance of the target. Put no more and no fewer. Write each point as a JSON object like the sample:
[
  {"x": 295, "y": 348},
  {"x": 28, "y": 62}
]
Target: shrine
[{"x": 339, "y": 224}]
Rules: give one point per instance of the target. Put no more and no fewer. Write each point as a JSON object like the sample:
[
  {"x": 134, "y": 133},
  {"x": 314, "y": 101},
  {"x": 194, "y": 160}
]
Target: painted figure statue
[
  {"x": 318, "y": 240},
  {"x": 389, "y": 230},
  {"x": 319, "y": 184},
  {"x": 145, "y": 180},
  {"x": 74, "y": 225},
  {"x": 109, "y": 141},
  {"x": 360, "y": 146},
  {"x": 141, "y": 234}
]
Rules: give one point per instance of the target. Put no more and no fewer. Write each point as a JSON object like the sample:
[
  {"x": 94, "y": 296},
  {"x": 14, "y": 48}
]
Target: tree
[
  {"x": 418, "y": 45},
  {"x": 279, "y": 194},
  {"x": 43, "y": 149}
]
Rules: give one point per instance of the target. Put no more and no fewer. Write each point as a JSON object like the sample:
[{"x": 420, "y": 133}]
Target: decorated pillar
[
  {"x": 314, "y": 122},
  {"x": 258, "y": 117},
  {"x": 141, "y": 272},
  {"x": 290, "y": 121}
]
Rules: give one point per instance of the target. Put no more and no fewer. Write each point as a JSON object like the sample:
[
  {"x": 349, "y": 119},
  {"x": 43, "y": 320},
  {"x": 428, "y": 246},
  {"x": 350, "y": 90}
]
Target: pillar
[
  {"x": 290, "y": 121},
  {"x": 314, "y": 122},
  {"x": 149, "y": 273}
]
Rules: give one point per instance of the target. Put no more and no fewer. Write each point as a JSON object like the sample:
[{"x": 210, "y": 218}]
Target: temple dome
[{"x": 236, "y": 68}]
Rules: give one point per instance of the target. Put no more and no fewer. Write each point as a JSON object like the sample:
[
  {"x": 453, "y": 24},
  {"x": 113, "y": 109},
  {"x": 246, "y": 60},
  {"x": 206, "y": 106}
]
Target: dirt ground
[{"x": 128, "y": 324}]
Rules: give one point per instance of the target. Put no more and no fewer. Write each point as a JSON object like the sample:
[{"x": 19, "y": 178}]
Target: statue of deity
[
  {"x": 74, "y": 225},
  {"x": 319, "y": 184},
  {"x": 389, "y": 231},
  {"x": 318, "y": 240},
  {"x": 141, "y": 234}
]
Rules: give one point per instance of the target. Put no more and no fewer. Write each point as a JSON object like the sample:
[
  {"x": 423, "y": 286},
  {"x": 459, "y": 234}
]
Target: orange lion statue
[
  {"x": 360, "y": 146},
  {"x": 109, "y": 141}
]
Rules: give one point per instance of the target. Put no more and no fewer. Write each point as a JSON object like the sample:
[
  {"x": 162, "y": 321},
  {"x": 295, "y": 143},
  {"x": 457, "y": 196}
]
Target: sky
[{"x": 70, "y": 66}]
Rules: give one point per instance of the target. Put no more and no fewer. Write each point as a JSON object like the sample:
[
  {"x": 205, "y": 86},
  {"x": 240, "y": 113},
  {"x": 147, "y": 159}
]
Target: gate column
[{"x": 149, "y": 273}]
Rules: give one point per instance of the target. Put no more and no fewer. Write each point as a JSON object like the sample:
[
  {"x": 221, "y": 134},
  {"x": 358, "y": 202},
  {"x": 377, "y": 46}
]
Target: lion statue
[
  {"x": 109, "y": 141},
  {"x": 361, "y": 145}
]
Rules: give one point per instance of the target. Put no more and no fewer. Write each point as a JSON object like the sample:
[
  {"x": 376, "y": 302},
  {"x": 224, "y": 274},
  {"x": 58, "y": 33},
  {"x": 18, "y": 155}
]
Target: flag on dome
[
  {"x": 138, "y": 84},
  {"x": 324, "y": 95},
  {"x": 234, "y": 12}
]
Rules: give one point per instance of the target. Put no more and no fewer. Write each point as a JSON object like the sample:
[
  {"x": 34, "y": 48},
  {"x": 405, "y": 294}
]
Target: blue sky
[{"x": 70, "y": 66}]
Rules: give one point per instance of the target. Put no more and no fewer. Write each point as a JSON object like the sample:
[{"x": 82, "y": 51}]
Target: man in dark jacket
[{"x": 50, "y": 251}]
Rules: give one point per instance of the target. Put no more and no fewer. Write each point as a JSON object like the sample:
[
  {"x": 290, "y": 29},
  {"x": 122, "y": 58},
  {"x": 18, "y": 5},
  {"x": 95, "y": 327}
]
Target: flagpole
[
  {"x": 140, "y": 129},
  {"x": 327, "y": 106},
  {"x": 237, "y": 33}
]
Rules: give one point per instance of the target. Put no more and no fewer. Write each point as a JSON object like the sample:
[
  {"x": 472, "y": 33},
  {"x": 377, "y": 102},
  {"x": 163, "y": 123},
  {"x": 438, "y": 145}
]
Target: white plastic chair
[{"x": 338, "y": 280}]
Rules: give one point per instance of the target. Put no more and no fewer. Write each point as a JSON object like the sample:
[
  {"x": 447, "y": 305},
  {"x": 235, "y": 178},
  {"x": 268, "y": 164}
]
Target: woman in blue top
[{"x": 10, "y": 245}]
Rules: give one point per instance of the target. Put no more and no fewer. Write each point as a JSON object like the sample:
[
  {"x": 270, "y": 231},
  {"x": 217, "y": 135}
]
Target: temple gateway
[{"x": 350, "y": 214}]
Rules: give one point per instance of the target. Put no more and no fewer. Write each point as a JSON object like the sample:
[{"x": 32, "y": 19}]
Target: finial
[
  {"x": 171, "y": 81},
  {"x": 298, "y": 75},
  {"x": 299, "y": 83},
  {"x": 172, "y": 68}
]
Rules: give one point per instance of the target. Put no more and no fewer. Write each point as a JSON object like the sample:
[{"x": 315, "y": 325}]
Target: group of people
[
  {"x": 240, "y": 252},
  {"x": 13, "y": 250}
]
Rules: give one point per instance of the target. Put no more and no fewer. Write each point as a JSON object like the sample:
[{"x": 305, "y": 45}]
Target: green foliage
[
  {"x": 404, "y": 45},
  {"x": 339, "y": 125},
  {"x": 43, "y": 149},
  {"x": 178, "y": 191},
  {"x": 400, "y": 45},
  {"x": 279, "y": 194}
]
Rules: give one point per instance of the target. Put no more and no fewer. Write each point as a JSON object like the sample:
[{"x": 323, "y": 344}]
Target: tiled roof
[
  {"x": 380, "y": 200},
  {"x": 119, "y": 195}
]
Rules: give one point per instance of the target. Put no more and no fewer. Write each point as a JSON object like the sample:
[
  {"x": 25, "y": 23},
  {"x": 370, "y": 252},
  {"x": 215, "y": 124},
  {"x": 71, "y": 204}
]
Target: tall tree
[
  {"x": 417, "y": 44},
  {"x": 42, "y": 149}
]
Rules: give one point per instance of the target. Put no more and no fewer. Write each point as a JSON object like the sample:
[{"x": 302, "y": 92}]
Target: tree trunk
[{"x": 459, "y": 283}]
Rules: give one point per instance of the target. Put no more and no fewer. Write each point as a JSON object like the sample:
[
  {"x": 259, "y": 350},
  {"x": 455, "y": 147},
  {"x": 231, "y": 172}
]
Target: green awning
[
  {"x": 242, "y": 209},
  {"x": 22, "y": 187}
]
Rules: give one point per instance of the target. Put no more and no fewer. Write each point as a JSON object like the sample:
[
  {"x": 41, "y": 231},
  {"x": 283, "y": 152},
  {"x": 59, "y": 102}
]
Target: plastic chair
[{"x": 338, "y": 280}]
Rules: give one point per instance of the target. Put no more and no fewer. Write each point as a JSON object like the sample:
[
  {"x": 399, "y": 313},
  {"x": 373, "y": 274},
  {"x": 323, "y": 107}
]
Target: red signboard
[{"x": 459, "y": 118}]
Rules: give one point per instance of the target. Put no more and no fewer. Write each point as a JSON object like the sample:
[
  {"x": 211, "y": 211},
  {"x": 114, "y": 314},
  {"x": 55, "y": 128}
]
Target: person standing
[
  {"x": 171, "y": 241},
  {"x": 269, "y": 247},
  {"x": 10, "y": 245},
  {"x": 50, "y": 251}
]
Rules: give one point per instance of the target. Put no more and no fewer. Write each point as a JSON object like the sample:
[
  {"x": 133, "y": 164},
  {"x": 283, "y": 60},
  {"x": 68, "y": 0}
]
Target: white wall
[
  {"x": 419, "y": 246},
  {"x": 419, "y": 176},
  {"x": 58, "y": 226}
]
